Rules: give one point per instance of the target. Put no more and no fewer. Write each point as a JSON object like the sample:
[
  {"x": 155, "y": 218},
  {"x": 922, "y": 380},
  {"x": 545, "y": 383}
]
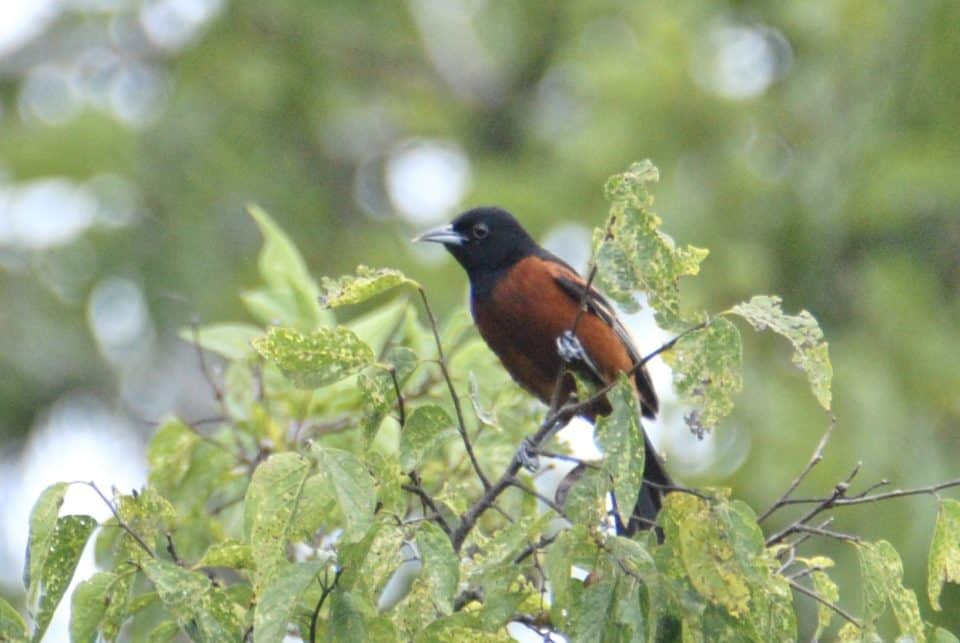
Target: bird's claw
[
  {"x": 527, "y": 457},
  {"x": 570, "y": 348}
]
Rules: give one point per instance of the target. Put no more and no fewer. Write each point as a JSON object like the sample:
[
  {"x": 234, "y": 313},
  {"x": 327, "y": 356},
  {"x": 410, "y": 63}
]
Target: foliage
[{"x": 341, "y": 454}]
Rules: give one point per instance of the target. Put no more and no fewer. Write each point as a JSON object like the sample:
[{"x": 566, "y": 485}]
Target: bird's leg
[{"x": 571, "y": 351}]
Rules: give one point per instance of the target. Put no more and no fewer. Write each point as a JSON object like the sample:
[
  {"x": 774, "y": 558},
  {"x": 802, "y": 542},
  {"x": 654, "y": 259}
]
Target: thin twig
[
  {"x": 817, "y": 531},
  {"x": 814, "y": 461},
  {"x": 207, "y": 375},
  {"x": 824, "y": 601},
  {"x": 461, "y": 424},
  {"x": 120, "y": 522},
  {"x": 417, "y": 489},
  {"x": 401, "y": 407},
  {"x": 539, "y": 496},
  {"x": 327, "y": 590}
]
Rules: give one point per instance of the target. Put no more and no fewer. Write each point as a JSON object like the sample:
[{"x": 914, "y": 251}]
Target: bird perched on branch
[{"x": 525, "y": 302}]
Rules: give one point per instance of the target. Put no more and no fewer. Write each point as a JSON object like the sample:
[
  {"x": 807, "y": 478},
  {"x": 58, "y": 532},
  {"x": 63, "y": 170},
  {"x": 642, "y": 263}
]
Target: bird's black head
[{"x": 484, "y": 240}]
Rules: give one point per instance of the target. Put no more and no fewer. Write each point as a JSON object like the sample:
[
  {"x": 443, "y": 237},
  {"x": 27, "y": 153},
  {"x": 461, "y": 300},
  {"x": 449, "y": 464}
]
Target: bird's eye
[{"x": 480, "y": 231}]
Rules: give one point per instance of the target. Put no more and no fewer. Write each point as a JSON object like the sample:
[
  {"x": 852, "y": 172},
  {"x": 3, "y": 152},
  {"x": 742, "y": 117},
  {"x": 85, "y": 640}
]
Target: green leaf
[
  {"x": 594, "y": 607},
  {"x": 231, "y": 340},
  {"x": 169, "y": 454},
  {"x": 811, "y": 353},
  {"x": 441, "y": 565},
  {"x": 378, "y": 389},
  {"x": 12, "y": 626},
  {"x": 203, "y": 610},
  {"x": 882, "y": 578},
  {"x": 277, "y": 603},
  {"x": 228, "y": 553},
  {"x": 941, "y": 635},
  {"x": 369, "y": 563},
  {"x": 620, "y": 436},
  {"x": 66, "y": 544},
  {"x": 707, "y": 372},
  {"x": 286, "y": 274},
  {"x": 323, "y": 357},
  {"x": 366, "y": 283},
  {"x": 637, "y": 255},
  {"x": 825, "y": 587},
  {"x": 944, "y": 561},
  {"x": 349, "y": 614},
  {"x": 88, "y": 605},
  {"x": 43, "y": 523},
  {"x": 353, "y": 486},
  {"x": 271, "y": 501},
  {"x": 427, "y": 427},
  {"x": 165, "y": 632}
]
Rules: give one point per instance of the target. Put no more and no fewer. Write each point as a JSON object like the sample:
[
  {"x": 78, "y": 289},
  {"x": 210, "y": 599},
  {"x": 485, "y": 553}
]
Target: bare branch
[
  {"x": 442, "y": 361},
  {"x": 814, "y": 461},
  {"x": 818, "y": 531},
  {"x": 824, "y": 601}
]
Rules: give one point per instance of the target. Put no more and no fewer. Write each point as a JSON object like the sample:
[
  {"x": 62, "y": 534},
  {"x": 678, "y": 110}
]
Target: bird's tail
[{"x": 651, "y": 493}]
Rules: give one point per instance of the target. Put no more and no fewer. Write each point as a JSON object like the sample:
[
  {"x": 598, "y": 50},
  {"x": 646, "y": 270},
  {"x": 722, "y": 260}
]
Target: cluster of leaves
[{"x": 350, "y": 452}]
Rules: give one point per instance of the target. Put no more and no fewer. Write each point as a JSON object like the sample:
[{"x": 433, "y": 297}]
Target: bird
[{"x": 524, "y": 299}]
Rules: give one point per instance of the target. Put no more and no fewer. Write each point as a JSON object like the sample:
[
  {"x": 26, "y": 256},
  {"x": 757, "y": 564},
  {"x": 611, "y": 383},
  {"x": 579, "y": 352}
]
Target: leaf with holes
[
  {"x": 636, "y": 255},
  {"x": 366, "y": 283},
  {"x": 317, "y": 359},
  {"x": 811, "y": 351}
]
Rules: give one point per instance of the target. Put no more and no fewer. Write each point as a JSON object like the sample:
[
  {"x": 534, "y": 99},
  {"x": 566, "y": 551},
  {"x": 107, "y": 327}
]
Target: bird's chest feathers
[{"x": 522, "y": 315}]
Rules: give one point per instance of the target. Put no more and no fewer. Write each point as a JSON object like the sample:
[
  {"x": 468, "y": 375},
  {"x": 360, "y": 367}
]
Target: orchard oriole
[{"x": 523, "y": 298}]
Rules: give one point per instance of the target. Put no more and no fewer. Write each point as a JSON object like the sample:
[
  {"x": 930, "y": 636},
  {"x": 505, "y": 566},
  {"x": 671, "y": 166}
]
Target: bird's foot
[
  {"x": 570, "y": 348},
  {"x": 527, "y": 457}
]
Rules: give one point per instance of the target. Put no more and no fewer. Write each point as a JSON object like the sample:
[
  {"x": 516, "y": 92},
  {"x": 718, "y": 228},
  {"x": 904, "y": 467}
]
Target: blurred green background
[{"x": 813, "y": 146}]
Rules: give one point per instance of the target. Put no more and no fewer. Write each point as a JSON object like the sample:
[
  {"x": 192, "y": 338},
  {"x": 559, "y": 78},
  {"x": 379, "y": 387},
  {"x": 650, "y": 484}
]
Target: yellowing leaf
[
  {"x": 882, "y": 578},
  {"x": 707, "y": 372},
  {"x": 271, "y": 501},
  {"x": 427, "y": 427},
  {"x": 366, "y": 283},
  {"x": 811, "y": 353},
  {"x": 323, "y": 357},
  {"x": 620, "y": 436},
  {"x": 637, "y": 256},
  {"x": 944, "y": 562}
]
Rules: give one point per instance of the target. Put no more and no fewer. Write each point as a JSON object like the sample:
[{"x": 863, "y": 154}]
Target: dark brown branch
[
  {"x": 401, "y": 407},
  {"x": 814, "y": 461},
  {"x": 418, "y": 490},
  {"x": 442, "y": 361},
  {"x": 824, "y": 601},
  {"x": 327, "y": 590}
]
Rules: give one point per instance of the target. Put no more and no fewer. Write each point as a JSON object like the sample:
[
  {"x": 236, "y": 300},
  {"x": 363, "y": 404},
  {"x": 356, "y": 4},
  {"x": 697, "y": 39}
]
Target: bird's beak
[{"x": 445, "y": 235}]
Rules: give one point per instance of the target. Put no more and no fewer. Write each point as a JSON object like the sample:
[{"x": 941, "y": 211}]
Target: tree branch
[
  {"x": 442, "y": 361},
  {"x": 824, "y": 601},
  {"x": 814, "y": 461},
  {"x": 327, "y": 590}
]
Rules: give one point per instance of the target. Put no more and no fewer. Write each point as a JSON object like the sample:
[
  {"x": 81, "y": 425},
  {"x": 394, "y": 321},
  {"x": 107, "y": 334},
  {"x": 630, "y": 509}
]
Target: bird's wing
[{"x": 574, "y": 285}]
